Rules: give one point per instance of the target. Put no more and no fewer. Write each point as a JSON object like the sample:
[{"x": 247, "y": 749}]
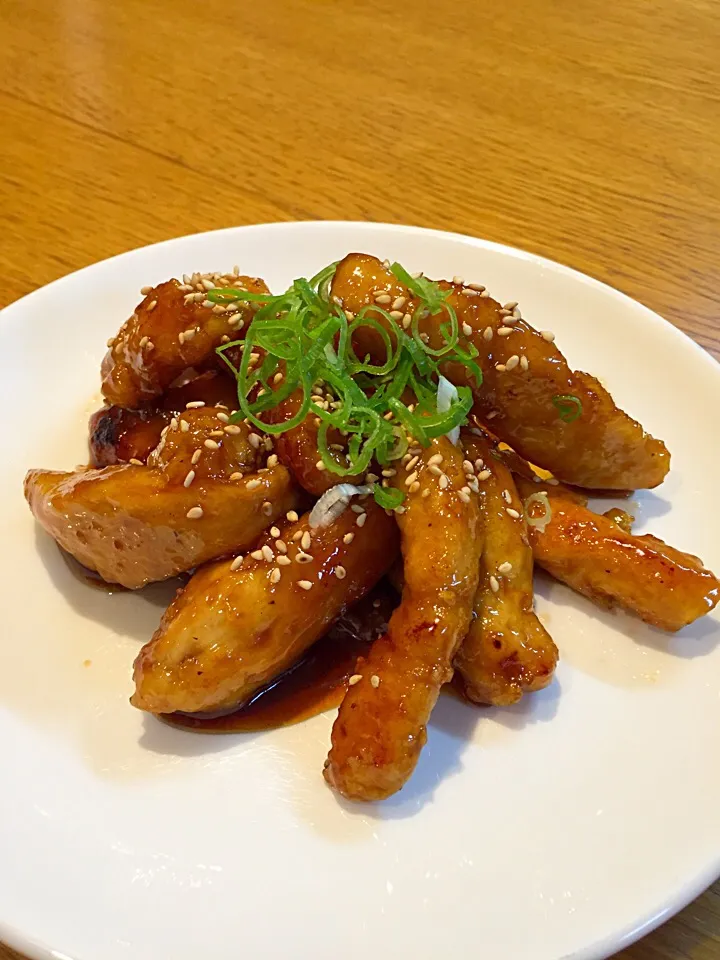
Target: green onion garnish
[
  {"x": 307, "y": 338},
  {"x": 568, "y": 406}
]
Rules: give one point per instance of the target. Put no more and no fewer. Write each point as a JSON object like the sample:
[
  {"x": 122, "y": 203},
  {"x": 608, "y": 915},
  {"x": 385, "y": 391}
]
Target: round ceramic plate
[{"x": 565, "y": 826}]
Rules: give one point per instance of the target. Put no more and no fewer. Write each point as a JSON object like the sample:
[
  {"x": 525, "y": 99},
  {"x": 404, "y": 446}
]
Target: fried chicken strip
[
  {"x": 600, "y": 559},
  {"x": 507, "y": 651},
  {"x": 381, "y": 727},
  {"x": 172, "y": 329},
  {"x": 204, "y": 493},
  {"x": 237, "y": 625},
  {"x": 524, "y": 372}
]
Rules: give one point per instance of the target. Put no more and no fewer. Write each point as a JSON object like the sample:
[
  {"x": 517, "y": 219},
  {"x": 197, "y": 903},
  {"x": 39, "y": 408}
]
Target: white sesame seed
[
  {"x": 305, "y": 540},
  {"x": 512, "y": 362},
  {"x": 274, "y": 532},
  {"x": 505, "y": 568},
  {"x": 477, "y": 286},
  {"x": 444, "y": 482},
  {"x": 396, "y": 314},
  {"x": 484, "y": 475},
  {"x": 184, "y": 426},
  {"x": 319, "y": 465},
  {"x": 524, "y": 363},
  {"x": 435, "y": 458},
  {"x": 283, "y": 559},
  {"x": 252, "y": 484},
  {"x": 383, "y": 299},
  {"x": 254, "y": 441},
  {"x": 257, "y": 555},
  {"x": 426, "y": 492},
  {"x": 236, "y": 564},
  {"x": 411, "y": 479},
  {"x": 507, "y": 496},
  {"x": 465, "y": 497},
  {"x": 512, "y": 513},
  {"x": 291, "y": 516},
  {"x": 468, "y": 466},
  {"x": 305, "y": 584},
  {"x": 510, "y": 305},
  {"x": 459, "y": 280},
  {"x": 375, "y": 680},
  {"x": 411, "y": 463},
  {"x": 236, "y": 476},
  {"x": 479, "y": 464},
  {"x": 360, "y": 522},
  {"x": 407, "y": 320},
  {"x": 194, "y": 404},
  {"x": 297, "y": 536},
  {"x": 340, "y": 572},
  {"x": 189, "y": 478},
  {"x": 211, "y": 444},
  {"x": 267, "y": 508},
  {"x": 272, "y": 460},
  {"x": 275, "y": 575},
  {"x": 547, "y": 335},
  {"x": 135, "y": 462},
  {"x": 488, "y": 333},
  {"x": 494, "y": 584},
  {"x": 267, "y": 553},
  {"x": 414, "y": 487},
  {"x": 467, "y": 329},
  {"x": 356, "y": 508},
  {"x": 144, "y": 342},
  {"x": 232, "y": 430},
  {"x": 348, "y": 538},
  {"x": 222, "y": 416},
  {"x": 215, "y": 433},
  {"x": 151, "y": 306},
  {"x": 195, "y": 457},
  {"x": 355, "y": 678},
  {"x": 500, "y": 367},
  {"x": 145, "y": 291},
  {"x": 194, "y": 513},
  {"x": 398, "y": 303},
  {"x": 281, "y": 546},
  {"x": 504, "y": 331}
]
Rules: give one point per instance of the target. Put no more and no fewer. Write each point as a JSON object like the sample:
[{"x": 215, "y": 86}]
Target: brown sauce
[{"x": 315, "y": 684}]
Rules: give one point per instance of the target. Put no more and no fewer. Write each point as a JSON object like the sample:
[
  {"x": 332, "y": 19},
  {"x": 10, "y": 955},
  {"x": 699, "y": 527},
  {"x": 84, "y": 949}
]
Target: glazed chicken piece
[
  {"x": 381, "y": 727},
  {"x": 507, "y": 651},
  {"x": 525, "y": 377},
  {"x": 598, "y": 557},
  {"x": 240, "y": 623},
  {"x": 118, "y": 435},
  {"x": 204, "y": 493},
  {"x": 172, "y": 329}
]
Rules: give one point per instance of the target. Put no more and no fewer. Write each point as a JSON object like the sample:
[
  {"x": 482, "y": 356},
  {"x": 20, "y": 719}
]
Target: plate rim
[{"x": 617, "y": 939}]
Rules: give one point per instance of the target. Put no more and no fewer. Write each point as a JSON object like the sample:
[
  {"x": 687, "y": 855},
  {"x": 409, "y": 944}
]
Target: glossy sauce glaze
[{"x": 316, "y": 683}]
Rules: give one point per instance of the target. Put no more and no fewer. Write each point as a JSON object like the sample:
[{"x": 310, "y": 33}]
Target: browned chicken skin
[
  {"x": 604, "y": 448},
  {"x": 381, "y": 727},
  {"x": 118, "y": 435},
  {"x": 614, "y": 568},
  {"x": 203, "y": 494},
  {"x": 231, "y": 631},
  {"x": 168, "y": 333}
]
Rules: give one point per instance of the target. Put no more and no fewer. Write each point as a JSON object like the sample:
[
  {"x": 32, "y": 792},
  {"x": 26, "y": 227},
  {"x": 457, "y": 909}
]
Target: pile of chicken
[{"x": 176, "y": 487}]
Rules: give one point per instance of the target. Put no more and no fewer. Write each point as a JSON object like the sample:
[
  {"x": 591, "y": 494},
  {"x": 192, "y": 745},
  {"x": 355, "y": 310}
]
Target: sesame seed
[
  {"x": 435, "y": 458},
  {"x": 355, "y": 678},
  {"x": 236, "y": 476},
  {"x": 252, "y": 484},
  {"x": 215, "y": 433},
  {"x": 144, "y": 342},
  {"x": 222, "y": 416},
  {"x": 257, "y": 555},
  {"x": 267, "y": 508},
  {"x": 297, "y": 536},
  {"x": 512, "y": 513},
  {"x": 500, "y": 367},
  {"x": 348, "y": 538},
  {"x": 208, "y": 284},
  {"x": 135, "y": 462},
  {"x": 211, "y": 444},
  {"x": 349, "y": 314},
  {"x": 444, "y": 481},
  {"x": 399, "y": 509},
  {"x": 467, "y": 329},
  {"x": 151, "y": 306},
  {"x": 547, "y": 335},
  {"x": 305, "y": 540},
  {"x": 414, "y": 487},
  {"x": 267, "y": 553},
  {"x": 510, "y": 305},
  {"x": 194, "y": 404},
  {"x": 465, "y": 489},
  {"x": 468, "y": 466},
  {"x": 398, "y": 303},
  {"x": 189, "y": 334},
  {"x": 283, "y": 560},
  {"x": 479, "y": 464},
  {"x": 189, "y": 478},
  {"x": 232, "y": 430},
  {"x": 195, "y": 457},
  {"x": 524, "y": 363},
  {"x": 375, "y": 680},
  {"x": 280, "y": 545},
  {"x": 319, "y": 465},
  {"x": 111, "y": 342},
  {"x": 477, "y": 286},
  {"x": 184, "y": 426},
  {"x": 145, "y": 290},
  {"x": 207, "y": 303},
  {"x": 411, "y": 463},
  {"x": 465, "y": 497},
  {"x": 371, "y": 478},
  {"x": 383, "y": 299},
  {"x": 275, "y": 575},
  {"x": 396, "y": 314},
  {"x": 360, "y": 522},
  {"x": 274, "y": 532},
  {"x": 356, "y": 508},
  {"x": 488, "y": 333},
  {"x": 407, "y": 320},
  {"x": 507, "y": 496},
  {"x": 291, "y": 516},
  {"x": 194, "y": 513},
  {"x": 340, "y": 572},
  {"x": 484, "y": 475},
  {"x": 278, "y": 377},
  {"x": 494, "y": 584},
  {"x": 505, "y": 568},
  {"x": 504, "y": 331},
  {"x": 512, "y": 362},
  {"x": 237, "y": 562},
  {"x": 411, "y": 479},
  {"x": 426, "y": 492},
  {"x": 389, "y": 472},
  {"x": 305, "y": 584},
  {"x": 254, "y": 441},
  {"x": 459, "y": 280}
]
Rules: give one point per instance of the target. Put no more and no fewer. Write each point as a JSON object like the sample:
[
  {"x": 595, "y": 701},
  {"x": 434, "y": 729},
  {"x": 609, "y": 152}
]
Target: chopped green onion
[
  {"x": 568, "y": 406},
  {"x": 388, "y": 497}
]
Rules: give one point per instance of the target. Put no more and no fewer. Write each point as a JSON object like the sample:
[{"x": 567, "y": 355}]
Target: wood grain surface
[{"x": 583, "y": 130}]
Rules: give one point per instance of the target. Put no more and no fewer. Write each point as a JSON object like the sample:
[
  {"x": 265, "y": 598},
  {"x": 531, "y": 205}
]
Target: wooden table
[{"x": 584, "y": 130}]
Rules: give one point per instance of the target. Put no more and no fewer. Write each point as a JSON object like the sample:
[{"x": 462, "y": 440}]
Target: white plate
[{"x": 563, "y": 827}]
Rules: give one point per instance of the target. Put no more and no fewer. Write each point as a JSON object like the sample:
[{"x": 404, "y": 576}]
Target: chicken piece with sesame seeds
[
  {"x": 239, "y": 624},
  {"x": 525, "y": 378},
  {"x": 118, "y": 435},
  {"x": 507, "y": 651},
  {"x": 598, "y": 557},
  {"x": 168, "y": 333},
  {"x": 381, "y": 727},
  {"x": 202, "y": 495}
]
